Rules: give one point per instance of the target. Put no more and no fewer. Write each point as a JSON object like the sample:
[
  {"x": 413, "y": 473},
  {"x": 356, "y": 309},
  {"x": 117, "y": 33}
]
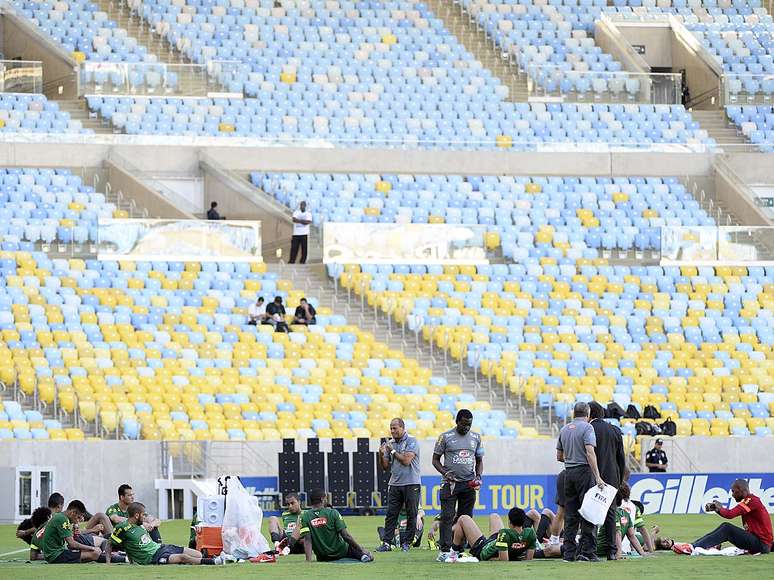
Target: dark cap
[{"x": 659, "y": 441}]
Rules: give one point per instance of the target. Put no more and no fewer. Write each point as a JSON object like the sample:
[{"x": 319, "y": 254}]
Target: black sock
[
  {"x": 208, "y": 561},
  {"x": 457, "y": 547},
  {"x": 275, "y": 537}
]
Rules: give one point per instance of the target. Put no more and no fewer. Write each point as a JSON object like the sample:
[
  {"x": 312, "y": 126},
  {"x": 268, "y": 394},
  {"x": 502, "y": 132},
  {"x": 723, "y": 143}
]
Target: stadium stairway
[
  {"x": 722, "y": 130},
  {"x": 137, "y": 27},
  {"x": 79, "y": 112},
  {"x": 313, "y": 280},
  {"x": 477, "y": 43}
]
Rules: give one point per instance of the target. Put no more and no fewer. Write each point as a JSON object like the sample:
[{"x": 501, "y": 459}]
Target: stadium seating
[
  {"x": 561, "y": 324},
  {"x": 48, "y": 205},
  {"x": 81, "y": 28},
  {"x": 577, "y": 216},
  {"x": 755, "y": 123},
  {"x": 483, "y": 126},
  {"x": 162, "y": 350},
  {"x": 21, "y": 113}
]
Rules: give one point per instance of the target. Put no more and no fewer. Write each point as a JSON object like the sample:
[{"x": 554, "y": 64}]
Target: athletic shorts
[
  {"x": 86, "y": 539},
  {"x": 352, "y": 553},
  {"x": 68, "y": 557},
  {"x": 560, "y": 501},
  {"x": 475, "y": 549},
  {"x": 544, "y": 528},
  {"x": 164, "y": 552}
]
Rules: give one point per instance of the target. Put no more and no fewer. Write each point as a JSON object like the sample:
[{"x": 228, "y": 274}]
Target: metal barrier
[{"x": 21, "y": 76}]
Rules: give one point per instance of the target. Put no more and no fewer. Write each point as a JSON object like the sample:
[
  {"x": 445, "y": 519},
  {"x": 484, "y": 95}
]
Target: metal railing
[
  {"x": 747, "y": 89},
  {"x": 549, "y": 81},
  {"x": 158, "y": 79},
  {"x": 21, "y": 76}
]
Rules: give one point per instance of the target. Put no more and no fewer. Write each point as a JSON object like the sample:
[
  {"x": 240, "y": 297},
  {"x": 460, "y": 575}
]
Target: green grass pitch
[{"x": 414, "y": 565}]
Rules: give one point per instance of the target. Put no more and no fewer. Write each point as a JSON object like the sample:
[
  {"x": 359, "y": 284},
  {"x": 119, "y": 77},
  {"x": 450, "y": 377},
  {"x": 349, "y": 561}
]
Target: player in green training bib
[
  {"x": 323, "y": 531},
  {"x": 131, "y": 537},
  {"x": 118, "y": 512},
  {"x": 512, "y": 543},
  {"x": 58, "y": 544},
  {"x": 281, "y": 528},
  {"x": 624, "y": 529}
]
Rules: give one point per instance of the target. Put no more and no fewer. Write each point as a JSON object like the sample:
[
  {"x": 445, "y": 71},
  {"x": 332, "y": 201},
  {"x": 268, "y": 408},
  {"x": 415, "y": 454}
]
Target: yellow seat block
[
  {"x": 288, "y": 77},
  {"x": 383, "y": 186},
  {"x": 504, "y": 141},
  {"x": 436, "y": 219},
  {"x": 78, "y": 56},
  {"x": 389, "y": 39},
  {"x": 226, "y": 128},
  {"x": 533, "y": 188}
]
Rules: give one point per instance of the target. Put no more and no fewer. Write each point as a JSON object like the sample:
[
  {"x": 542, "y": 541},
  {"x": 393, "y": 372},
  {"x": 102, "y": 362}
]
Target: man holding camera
[
  {"x": 755, "y": 538},
  {"x": 400, "y": 456},
  {"x": 463, "y": 464}
]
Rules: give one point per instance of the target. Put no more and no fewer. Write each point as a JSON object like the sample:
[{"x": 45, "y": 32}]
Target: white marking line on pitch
[{"x": 14, "y": 552}]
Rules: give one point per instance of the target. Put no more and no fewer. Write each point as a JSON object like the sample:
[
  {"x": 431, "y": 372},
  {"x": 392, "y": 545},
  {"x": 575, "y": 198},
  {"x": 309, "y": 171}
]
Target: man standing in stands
[
  {"x": 400, "y": 456},
  {"x": 212, "y": 213},
  {"x": 612, "y": 467},
  {"x": 463, "y": 464},
  {"x": 301, "y": 221},
  {"x": 756, "y": 537},
  {"x": 324, "y": 532},
  {"x": 656, "y": 459},
  {"x": 575, "y": 448},
  {"x": 118, "y": 512}
]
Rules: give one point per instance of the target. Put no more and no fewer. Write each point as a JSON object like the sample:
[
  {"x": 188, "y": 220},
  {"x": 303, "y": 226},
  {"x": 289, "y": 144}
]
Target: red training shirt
[{"x": 755, "y": 518}]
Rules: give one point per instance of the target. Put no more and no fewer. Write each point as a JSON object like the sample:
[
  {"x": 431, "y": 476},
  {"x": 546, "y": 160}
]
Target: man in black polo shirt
[
  {"x": 656, "y": 459},
  {"x": 575, "y": 448}
]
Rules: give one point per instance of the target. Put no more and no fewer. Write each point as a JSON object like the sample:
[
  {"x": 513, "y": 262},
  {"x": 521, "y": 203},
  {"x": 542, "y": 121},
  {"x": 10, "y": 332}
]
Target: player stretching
[
  {"x": 281, "y": 528},
  {"x": 134, "y": 539},
  {"x": 516, "y": 542}
]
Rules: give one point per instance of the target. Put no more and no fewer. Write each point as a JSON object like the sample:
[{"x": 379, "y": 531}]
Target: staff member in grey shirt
[
  {"x": 575, "y": 448},
  {"x": 463, "y": 464},
  {"x": 400, "y": 455}
]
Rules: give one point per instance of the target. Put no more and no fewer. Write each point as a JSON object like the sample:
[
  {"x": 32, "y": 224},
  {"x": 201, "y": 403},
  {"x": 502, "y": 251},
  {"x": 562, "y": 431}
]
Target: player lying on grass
[
  {"x": 118, "y": 512},
  {"x": 323, "y": 531},
  {"x": 58, "y": 543},
  {"x": 131, "y": 536},
  {"x": 512, "y": 543},
  {"x": 281, "y": 528},
  {"x": 755, "y": 538}
]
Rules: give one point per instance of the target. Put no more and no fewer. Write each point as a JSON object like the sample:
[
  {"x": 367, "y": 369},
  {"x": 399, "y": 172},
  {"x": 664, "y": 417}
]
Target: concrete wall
[
  {"x": 701, "y": 72},
  {"x": 158, "y": 207},
  {"x": 617, "y": 39},
  {"x": 732, "y": 191},
  {"x": 93, "y": 471},
  {"x": 181, "y": 156},
  {"x": 89, "y": 471},
  {"x": 21, "y": 39}
]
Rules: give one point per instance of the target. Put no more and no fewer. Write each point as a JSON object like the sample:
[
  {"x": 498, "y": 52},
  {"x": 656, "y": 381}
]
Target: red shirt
[{"x": 755, "y": 518}]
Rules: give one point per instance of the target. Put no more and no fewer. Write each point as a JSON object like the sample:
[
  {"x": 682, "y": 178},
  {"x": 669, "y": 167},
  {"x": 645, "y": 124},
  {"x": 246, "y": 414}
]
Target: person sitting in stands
[{"x": 305, "y": 313}]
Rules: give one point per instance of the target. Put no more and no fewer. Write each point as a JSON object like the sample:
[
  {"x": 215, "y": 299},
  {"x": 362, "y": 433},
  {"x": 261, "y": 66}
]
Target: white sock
[{"x": 554, "y": 540}]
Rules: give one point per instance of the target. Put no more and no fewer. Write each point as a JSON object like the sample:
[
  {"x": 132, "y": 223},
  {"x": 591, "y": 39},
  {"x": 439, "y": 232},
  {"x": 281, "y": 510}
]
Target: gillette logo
[{"x": 687, "y": 494}]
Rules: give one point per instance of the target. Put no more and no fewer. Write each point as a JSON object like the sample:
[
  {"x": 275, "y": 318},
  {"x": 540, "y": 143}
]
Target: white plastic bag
[
  {"x": 242, "y": 523},
  {"x": 595, "y": 504}
]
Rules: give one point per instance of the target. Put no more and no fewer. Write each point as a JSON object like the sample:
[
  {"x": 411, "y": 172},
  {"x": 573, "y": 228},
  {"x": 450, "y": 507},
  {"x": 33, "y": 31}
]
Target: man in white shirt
[
  {"x": 256, "y": 314},
  {"x": 301, "y": 221}
]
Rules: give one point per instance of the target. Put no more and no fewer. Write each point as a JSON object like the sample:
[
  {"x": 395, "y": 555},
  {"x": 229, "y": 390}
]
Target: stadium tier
[
  {"x": 403, "y": 121},
  {"x": 22, "y": 113},
  {"x": 163, "y": 350},
  {"x": 694, "y": 342},
  {"x": 755, "y": 123},
  {"x": 49, "y": 205},
  {"x": 80, "y": 27},
  {"x": 525, "y": 216}
]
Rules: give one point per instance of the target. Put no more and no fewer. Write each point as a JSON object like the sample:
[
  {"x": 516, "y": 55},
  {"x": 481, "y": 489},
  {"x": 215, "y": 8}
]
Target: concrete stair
[
  {"x": 476, "y": 41},
  {"x": 78, "y": 111},
  {"x": 722, "y": 130},
  {"x": 314, "y": 281}
]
